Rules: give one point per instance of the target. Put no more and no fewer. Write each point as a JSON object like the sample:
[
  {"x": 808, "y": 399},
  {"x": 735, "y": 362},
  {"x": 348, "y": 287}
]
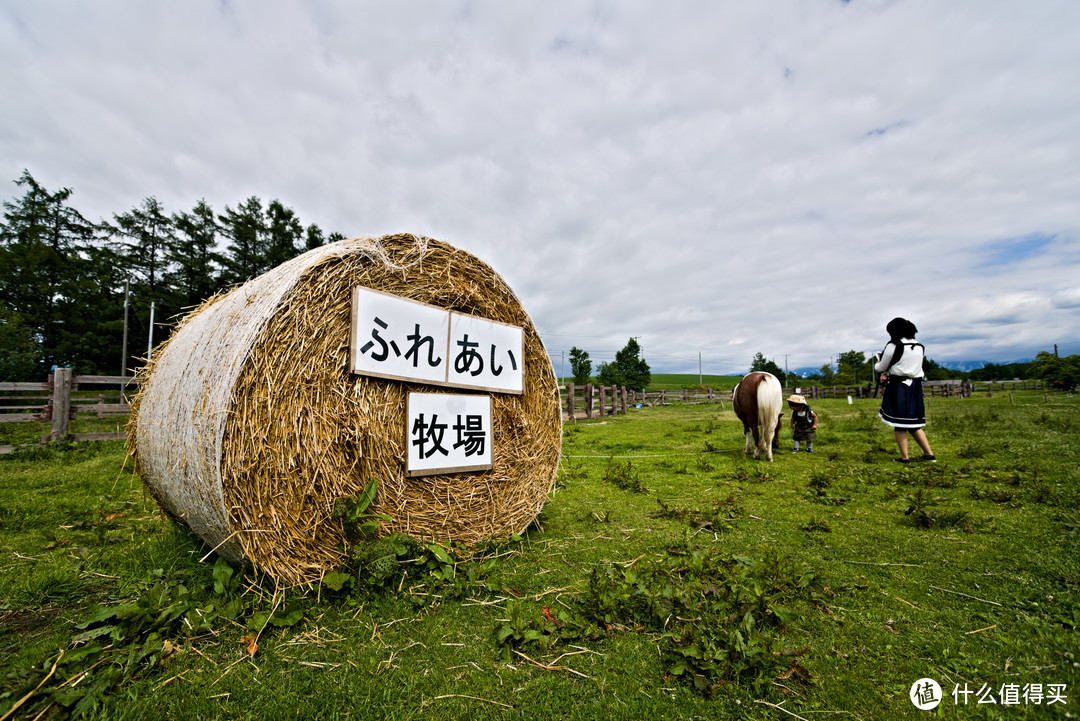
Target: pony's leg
[
  {"x": 767, "y": 436},
  {"x": 749, "y": 444}
]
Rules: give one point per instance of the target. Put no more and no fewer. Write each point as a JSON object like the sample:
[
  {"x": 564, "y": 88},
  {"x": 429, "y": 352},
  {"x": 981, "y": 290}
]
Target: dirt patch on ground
[
  {"x": 580, "y": 416},
  {"x": 16, "y": 626}
]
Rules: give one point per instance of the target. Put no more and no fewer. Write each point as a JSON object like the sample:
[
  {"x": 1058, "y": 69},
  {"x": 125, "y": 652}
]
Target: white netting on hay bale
[{"x": 249, "y": 426}]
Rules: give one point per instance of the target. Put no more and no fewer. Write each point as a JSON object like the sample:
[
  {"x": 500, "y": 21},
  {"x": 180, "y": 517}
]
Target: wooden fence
[
  {"x": 56, "y": 404},
  {"x": 933, "y": 389},
  {"x": 591, "y": 400}
]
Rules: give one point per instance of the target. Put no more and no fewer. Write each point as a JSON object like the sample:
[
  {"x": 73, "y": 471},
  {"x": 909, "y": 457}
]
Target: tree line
[
  {"x": 628, "y": 369},
  {"x": 66, "y": 283},
  {"x": 853, "y": 368}
]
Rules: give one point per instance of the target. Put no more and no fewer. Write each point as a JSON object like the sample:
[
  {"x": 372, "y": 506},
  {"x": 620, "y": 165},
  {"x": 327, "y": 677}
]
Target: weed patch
[
  {"x": 816, "y": 524},
  {"x": 624, "y": 476},
  {"x": 718, "y": 517},
  {"x": 819, "y": 485},
  {"x": 721, "y": 617},
  {"x": 923, "y": 513}
]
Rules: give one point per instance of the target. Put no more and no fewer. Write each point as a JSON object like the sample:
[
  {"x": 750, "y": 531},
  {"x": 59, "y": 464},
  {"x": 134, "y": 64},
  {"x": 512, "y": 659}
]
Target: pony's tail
[{"x": 770, "y": 401}]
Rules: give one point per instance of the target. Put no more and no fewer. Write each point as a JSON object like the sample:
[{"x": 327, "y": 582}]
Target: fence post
[
  {"x": 570, "y": 400},
  {"x": 624, "y": 399},
  {"x": 61, "y": 404},
  {"x": 588, "y": 400}
]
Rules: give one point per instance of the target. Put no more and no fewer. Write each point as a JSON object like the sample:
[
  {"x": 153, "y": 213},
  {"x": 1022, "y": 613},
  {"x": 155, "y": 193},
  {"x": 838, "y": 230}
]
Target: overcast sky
[{"x": 714, "y": 178}]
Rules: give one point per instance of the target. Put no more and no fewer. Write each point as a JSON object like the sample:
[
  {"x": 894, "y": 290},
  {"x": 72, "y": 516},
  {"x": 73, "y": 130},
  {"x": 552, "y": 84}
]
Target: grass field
[{"x": 668, "y": 576}]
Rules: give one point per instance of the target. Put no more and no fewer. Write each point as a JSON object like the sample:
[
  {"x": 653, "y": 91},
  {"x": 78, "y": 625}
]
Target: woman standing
[{"x": 900, "y": 365}]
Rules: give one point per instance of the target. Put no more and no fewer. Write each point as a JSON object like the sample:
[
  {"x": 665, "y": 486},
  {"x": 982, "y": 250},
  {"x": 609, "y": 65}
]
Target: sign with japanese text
[
  {"x": 485, "y": 354},
  {"x": 393, "y": 337},
  {"x": 398, "y": 338},
  {"x": 447, "y": 433}
]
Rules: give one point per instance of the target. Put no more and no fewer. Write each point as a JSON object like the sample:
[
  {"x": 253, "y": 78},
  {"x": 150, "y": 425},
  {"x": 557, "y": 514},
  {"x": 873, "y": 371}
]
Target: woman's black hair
[{"x": 898, "y": 328}]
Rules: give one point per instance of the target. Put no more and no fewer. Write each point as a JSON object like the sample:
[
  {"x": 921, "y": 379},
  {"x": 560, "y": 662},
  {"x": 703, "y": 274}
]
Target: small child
[{"x": 803, "y": 422}]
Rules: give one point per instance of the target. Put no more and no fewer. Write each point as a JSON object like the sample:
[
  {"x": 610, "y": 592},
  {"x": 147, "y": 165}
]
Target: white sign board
[
  {"x": 398, "y": 338},
  {"x": 393, "y": 337},
  {"x": 485, "y": 354},
  {"x": 447, "y": 433}
]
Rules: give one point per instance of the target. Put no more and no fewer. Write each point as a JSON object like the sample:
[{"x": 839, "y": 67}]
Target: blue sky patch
[
  {"x": 1012, "y": 250},
  {"x": 885, "y": 129}
]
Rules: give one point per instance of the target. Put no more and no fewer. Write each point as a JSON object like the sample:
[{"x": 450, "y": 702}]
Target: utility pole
[
  {"x": 123, "y": 352},
  {"x": 150, "y": 340}
]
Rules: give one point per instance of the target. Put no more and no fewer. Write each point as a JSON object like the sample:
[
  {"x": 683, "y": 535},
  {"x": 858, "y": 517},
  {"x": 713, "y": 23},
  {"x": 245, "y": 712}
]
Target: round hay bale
[{"x": 248, "y": 424}]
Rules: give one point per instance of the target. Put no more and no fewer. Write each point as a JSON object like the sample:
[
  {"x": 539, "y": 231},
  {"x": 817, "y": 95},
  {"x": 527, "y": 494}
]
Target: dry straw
[{"x": 249, "y": 426}]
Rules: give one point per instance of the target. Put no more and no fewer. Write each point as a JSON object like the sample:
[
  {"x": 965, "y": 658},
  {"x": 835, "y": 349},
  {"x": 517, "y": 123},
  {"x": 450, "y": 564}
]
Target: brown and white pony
[{"x": 758, "y": 400}]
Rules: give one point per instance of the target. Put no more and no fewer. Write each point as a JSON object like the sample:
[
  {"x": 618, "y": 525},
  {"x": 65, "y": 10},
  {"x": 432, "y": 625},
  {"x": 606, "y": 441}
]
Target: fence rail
[
  {"x": 591, "y": 400},
  {"x": 59, "y": 407}
]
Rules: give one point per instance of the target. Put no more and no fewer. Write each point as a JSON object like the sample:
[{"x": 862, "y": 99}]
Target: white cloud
[{"x": 717, "y": 178}]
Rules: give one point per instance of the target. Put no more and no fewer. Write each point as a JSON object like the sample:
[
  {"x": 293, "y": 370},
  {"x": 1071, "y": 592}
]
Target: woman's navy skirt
[{"x": 902, "y": 404}]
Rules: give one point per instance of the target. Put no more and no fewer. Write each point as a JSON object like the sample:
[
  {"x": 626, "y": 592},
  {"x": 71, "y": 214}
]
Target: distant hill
[
  {"x": 677, "y": 381},
  {"x": 956, "y": 365},
  {"x": 968, "y": 365}
]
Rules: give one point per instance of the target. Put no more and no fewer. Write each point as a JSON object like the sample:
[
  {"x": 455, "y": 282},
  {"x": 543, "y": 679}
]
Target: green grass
[
  {"x": 862, "y": 576},
  {"x": 21, "y": 434},
  {"x": 677, "y": 381}
]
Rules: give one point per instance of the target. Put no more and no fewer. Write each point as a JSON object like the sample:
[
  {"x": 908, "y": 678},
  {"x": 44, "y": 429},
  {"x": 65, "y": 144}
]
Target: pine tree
[
  {"x": 245, "y": 256},
  {"x": 148, "y": 231},
  {"x": 283, "y": 235},
  {"x": 194, "y": 261},
  {"x": 313, "y": 237},
  {"x": 40, "y": 242},
  {"x": 18, "y": 351}
]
